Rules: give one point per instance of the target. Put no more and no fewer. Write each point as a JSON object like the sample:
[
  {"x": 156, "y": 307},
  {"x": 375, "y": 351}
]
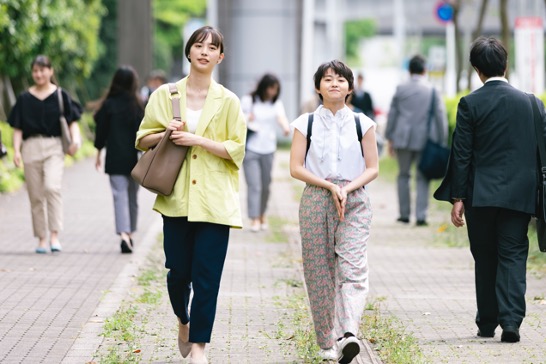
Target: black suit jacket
[{"x": 494, "y": 157}]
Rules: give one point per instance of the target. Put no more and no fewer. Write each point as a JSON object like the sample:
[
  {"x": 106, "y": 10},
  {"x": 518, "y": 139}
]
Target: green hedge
[{"x": 12, "y": 178}]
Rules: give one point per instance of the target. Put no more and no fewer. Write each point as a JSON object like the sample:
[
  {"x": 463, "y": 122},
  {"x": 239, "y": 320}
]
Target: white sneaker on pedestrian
[
  {"x": 348, "y": 349},
  {"x": 329, "y": 354}
]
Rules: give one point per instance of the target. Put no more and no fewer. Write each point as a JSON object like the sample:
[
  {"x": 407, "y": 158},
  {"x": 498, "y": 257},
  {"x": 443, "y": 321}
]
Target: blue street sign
[{"x": 444, "y": 11}]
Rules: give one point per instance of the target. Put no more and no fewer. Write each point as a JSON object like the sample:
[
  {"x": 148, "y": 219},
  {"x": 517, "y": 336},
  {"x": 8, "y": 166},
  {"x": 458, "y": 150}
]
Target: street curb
[{"x": 89, "y": 339}]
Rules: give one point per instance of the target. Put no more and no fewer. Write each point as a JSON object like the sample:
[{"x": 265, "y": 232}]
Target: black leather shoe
[
  {"x": 405, "y": 220},
  {"x": 421, "y": 223},
  {"x": 510, "y": 334},
  {"x": 126, "y": 247},
  {"x": 485, "y": 333}
]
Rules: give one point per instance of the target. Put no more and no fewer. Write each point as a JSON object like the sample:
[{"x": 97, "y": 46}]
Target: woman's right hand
[
  {"x": 176, "y": 125},
  {"x": 17, "y": 159}
]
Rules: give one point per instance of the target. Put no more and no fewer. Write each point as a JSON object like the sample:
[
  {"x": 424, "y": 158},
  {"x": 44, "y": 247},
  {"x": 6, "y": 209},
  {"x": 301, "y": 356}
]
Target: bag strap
[
  {"x": 431, "y": 110},
  {"x": 175, "y": 99},
  {"x": 60, "y": 99},
  {"x": 539, "y": 133}
]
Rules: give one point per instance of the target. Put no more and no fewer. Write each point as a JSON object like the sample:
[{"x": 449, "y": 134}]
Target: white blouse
[
  {"x": 266, "y": 114},
  {"x": 192, "y": 118},
  {"x": 335, "y": 152}
]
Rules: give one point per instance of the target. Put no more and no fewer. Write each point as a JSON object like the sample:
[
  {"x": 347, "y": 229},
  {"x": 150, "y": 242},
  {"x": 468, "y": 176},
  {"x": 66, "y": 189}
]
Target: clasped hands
[
  {"x": 339, "y": 194},
  {"x": 181, "y": 137}
]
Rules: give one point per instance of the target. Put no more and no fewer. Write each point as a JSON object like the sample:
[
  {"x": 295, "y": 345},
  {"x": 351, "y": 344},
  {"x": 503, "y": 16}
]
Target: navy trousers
[
  {"x": 195, "y": 253},
  {"x": 499, "y": 245}
]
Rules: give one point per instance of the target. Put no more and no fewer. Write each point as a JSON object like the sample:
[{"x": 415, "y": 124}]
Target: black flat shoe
[
  {"x": 126, "y": 247},
  {"x": 510, "y": 334},
  {"x": 421, "y": 223},
  {"x": 404, "y": 220}
]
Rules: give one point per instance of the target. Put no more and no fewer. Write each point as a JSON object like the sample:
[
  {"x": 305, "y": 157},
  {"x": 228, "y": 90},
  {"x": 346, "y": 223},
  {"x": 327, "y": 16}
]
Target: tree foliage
[
  {"x": 170, "y": 16},
  {"x": 355, "y": 31},
  {"x": 65, "y": 30}
]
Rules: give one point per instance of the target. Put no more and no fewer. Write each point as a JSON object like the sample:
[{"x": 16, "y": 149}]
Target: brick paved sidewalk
[
  {"x": 53, "y": 307},
  {"x": 46, "y": 299},
  {"x": 430, "y": 289}
]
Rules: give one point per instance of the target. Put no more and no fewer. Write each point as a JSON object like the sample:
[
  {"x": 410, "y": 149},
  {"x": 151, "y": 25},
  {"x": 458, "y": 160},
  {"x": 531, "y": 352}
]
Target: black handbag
[
  {"x": 541, "y": 192},
  {"x": 435, "y": 156}
]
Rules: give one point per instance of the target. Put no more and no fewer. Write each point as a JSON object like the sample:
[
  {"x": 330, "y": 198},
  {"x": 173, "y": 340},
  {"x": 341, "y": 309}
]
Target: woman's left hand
[
  {"x": 185, "y": 138},
  {"x": 342, "y": 203}
]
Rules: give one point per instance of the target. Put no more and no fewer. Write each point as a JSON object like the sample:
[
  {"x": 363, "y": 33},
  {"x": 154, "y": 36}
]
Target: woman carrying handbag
[
  {"x": 204, "y": 203},
  {"x": 37, "y": 143}
]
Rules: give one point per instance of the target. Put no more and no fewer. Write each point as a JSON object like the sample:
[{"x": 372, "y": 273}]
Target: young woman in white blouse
[
  {"x": 264, "y": 111},
  {"x": 335, "y": 211}
]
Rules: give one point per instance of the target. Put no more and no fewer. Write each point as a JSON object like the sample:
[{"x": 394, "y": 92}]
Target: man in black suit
[{"x": 492, "y": 179}]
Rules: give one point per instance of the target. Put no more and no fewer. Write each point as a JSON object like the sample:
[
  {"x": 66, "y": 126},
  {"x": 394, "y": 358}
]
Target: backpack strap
[
  {"x": 309, "y": 132},
  {"x": 359, "y": 132}
]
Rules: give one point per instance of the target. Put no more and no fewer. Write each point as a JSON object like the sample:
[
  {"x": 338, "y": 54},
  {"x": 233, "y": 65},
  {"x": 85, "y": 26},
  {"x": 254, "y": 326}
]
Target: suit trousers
[
  {"x": 499, "y": 245},
  {"x": 406, "y": 159},
  {"x": 257, "y": 169},
  {"x": 195, "y": 253},
  {"x": 125, "y": 192},
  {"x": 43, "y": 159},
  {"x": 335, "y": 261}
]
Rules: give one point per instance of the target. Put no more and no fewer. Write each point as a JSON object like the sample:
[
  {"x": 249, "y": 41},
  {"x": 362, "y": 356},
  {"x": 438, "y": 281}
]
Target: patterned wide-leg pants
[{"x": 335, "y": 260}]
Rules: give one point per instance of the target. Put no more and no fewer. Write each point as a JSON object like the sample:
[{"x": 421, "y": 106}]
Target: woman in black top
[
  {"x": 118, "y": 119},
  {"x": 37, "y": 144}
]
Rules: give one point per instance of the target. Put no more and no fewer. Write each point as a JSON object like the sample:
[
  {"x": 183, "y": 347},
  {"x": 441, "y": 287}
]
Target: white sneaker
[
  {"x": 329, "y": 354},
  {"x": 348, "y": 349}
]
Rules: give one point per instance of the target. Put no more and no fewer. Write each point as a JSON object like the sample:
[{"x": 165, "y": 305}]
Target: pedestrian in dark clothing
[
  {"x": 37, "y": 143},
  {"x": 362, "y": 99},
  {"x": 492, "y": 179},
  {"x": 118, "y": 119}
]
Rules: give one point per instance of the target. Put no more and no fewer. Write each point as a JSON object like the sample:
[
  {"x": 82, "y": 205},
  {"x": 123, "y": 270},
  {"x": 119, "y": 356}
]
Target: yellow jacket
[{"x": 207, "y": 188}]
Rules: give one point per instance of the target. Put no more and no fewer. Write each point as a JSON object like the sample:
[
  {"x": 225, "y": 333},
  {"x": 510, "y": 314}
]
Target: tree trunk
[
  {"x": 505, "y": 28},
  {"x": 475, "y": 34}
]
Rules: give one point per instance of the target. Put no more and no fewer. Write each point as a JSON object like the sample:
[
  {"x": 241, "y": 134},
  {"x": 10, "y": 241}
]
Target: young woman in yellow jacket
[{"x": 205, "y": 203}]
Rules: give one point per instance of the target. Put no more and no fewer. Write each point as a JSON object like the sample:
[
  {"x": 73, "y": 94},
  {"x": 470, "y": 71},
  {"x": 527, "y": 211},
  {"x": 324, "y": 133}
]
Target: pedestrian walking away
[
  {"x": 492, "y": 180},
  {"x": 406, "y": 133},
  {"x": 263, "y": 112},
  {"x": 37, "y": 146},
  {"x": 117, "y": 121},
  {"x": 335, "y": 211},
  {"x": 205, "y": 203}
]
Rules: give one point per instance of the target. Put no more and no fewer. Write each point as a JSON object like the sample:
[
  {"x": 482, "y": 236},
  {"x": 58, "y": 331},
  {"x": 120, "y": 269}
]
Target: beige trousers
[{"x": 43, "y": 160}]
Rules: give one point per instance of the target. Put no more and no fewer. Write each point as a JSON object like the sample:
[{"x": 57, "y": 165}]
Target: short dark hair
[
  {"x": 417, "y": 65},
  {"x": 200, "y": 35},
  {"x": 265, "y": 82},
  {"x": 489, "y": 56},
  {"x": 339, "y": 68}
]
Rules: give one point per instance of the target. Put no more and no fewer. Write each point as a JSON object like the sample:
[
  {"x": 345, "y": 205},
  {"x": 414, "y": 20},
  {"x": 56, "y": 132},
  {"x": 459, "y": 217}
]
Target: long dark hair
[
  {"x": 125, "y": 81},
  {"x": 266, "y": 81}
]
